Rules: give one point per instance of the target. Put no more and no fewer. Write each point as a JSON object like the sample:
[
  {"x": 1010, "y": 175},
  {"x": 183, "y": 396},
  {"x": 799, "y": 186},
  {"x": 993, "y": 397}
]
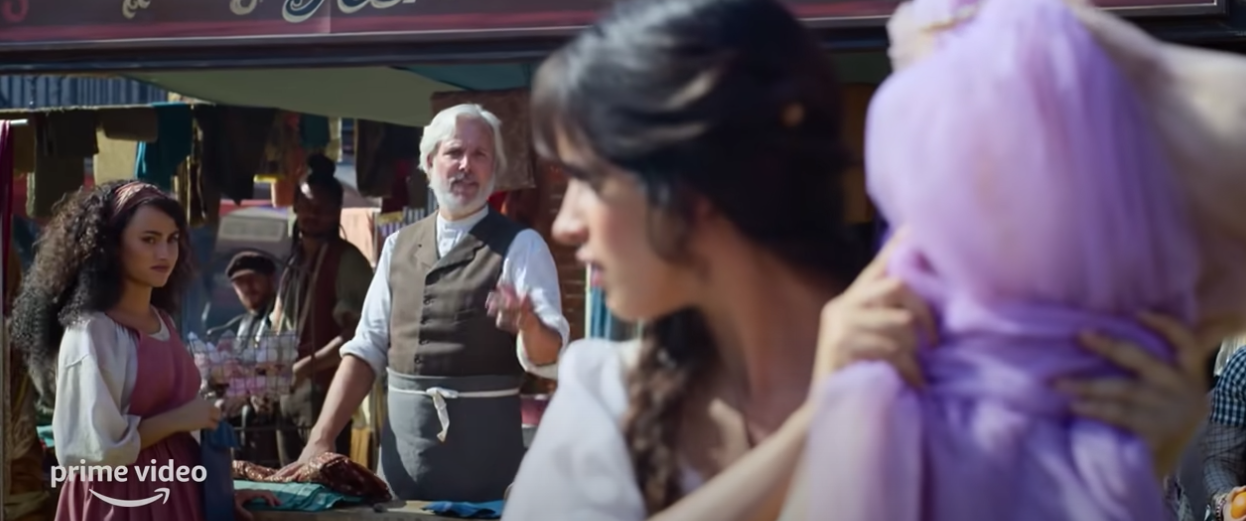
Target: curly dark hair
[
  {"x": 77, "y": 270},
  {"x": 728, "y": 101}
]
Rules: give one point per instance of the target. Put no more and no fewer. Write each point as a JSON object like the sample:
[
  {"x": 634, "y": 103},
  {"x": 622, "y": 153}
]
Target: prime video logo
[{"x": 167, "y": 473}]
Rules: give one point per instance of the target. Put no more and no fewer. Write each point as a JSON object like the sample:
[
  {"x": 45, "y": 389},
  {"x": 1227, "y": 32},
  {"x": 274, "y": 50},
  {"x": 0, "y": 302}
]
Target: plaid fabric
[
  {"x": 1228, "y": 399},
  {"x": 1224, "y": 442}
]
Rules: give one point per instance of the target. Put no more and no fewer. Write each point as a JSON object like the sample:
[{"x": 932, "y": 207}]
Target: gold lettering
[
  {"x": 243, "y": 7},
  {"x": 130, "y": 7}
]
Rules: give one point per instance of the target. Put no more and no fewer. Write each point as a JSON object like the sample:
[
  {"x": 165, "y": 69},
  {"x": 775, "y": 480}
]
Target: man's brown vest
[{"x": 439, "y": 325}]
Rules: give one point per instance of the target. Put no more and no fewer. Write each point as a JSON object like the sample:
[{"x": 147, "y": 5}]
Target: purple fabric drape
[{"x": 1039, "y": 204}]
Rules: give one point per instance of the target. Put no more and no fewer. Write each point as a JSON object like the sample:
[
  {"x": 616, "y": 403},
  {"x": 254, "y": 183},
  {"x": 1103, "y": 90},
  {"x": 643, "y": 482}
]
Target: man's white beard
[{"x": 456, "y": 204}]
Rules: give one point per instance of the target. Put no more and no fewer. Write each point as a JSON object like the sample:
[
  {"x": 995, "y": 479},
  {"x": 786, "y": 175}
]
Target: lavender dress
[{"x": 1040, "y": 204}]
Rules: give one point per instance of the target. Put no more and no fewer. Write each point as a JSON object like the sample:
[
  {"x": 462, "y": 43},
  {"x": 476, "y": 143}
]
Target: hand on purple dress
[
  {"x": 876, "y": 318},
  {"x": 1162, "y": 403}
]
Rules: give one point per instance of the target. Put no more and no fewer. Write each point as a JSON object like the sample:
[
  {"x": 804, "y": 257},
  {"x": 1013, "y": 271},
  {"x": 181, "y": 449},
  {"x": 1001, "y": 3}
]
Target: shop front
[{"x": 391, "y": 64}]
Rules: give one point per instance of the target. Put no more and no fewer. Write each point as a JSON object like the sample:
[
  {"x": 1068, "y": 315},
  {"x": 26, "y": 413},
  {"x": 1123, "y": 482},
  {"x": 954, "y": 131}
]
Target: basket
[{"x": 236, "y": 368}]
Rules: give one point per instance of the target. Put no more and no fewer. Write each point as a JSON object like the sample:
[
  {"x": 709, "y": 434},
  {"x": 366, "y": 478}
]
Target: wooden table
[{"x": 394, "y": 511}]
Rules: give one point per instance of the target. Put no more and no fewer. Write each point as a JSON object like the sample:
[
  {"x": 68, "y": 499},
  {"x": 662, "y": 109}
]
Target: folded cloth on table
[
  {"x": 465, "y": 510},
  {"x": 297, "y": 497},
  {"x": 335, "y": 471}
]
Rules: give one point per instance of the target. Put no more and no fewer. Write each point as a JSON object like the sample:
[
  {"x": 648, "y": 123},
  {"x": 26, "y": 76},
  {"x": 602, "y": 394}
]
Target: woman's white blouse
[
  {"x": 95, "y": 374},
  {"x": 578, "y": 466}
]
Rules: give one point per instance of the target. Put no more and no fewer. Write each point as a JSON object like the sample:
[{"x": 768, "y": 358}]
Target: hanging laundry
[
  {"x": 61, "y": 148},
  {"x": 378, "y": 149},
  {"x": 314, "y": 132},
  {"x": 116, "y": 158},
  {"x": 68, "y": 133},
  {"x": 24, "y": 144},
  {"x": 233, "y": 143},
  {"x": 129, "y": 124},
  {"x": 203, "y": 198},
  {"x": 158, "y": 161},
  {"x": 53, "y": 179}
]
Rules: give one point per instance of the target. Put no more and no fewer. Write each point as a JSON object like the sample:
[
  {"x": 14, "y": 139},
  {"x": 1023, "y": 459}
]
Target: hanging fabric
[
  {"x": 314, "y": 132},
  {"x": 129, "y": 124},
  {"x": 380, "y": 149},
  {"x": 24, "y": 147},
  {"x": 59, "y": 164},
  {"x": 233, "y": 140},
  {"x": 158, "y": 161},
  {"x": 116, "y": 160}
]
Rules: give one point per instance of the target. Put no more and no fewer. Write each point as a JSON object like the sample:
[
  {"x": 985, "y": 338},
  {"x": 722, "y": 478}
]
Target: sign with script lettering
[{"x": 142, "y": 23}]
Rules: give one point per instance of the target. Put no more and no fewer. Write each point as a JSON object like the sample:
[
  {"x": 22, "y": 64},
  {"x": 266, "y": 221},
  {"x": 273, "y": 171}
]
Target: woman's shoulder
[
  {"x": 94, "y": 334},
  {"x": 597, "y": 369},
  {"x": 94, "y": 322}
]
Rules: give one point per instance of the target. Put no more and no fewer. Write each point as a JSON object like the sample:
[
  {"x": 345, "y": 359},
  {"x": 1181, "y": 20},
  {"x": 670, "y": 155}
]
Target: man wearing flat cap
[{"x": 253, "y": 276}]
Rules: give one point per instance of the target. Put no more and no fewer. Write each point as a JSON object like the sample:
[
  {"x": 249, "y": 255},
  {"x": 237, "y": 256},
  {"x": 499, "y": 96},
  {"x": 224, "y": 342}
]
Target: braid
[{"x": 677, "y": 351}]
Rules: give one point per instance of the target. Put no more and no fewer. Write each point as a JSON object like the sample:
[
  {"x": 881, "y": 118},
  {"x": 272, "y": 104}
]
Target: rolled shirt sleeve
[
  {"x": 529, "y": 267},
  {"x": 93, "y": 379}
]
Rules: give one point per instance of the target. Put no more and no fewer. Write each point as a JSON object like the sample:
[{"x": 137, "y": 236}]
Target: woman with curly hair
[{"x": 106, "y": 278}]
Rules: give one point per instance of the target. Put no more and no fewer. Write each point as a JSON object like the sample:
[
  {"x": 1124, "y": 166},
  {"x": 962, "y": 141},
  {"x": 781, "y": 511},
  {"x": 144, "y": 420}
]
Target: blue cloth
[
  {"x": 296, "y": 497},
  {"x": 45, "y": 435},
  {"x": 465, "y": 510},
  {"x": 218, "y": 489},
  {"x": 157, "y": 162}
]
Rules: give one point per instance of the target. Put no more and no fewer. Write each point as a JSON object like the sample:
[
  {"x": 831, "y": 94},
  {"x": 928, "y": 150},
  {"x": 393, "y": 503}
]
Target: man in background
[
  {"x": 319, "y": 299},
  {"x": 252, "y": 275}
]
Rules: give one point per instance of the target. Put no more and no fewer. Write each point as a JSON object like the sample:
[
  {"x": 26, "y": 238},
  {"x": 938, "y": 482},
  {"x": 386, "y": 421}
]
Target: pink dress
[{"x": 167, "y": 378}]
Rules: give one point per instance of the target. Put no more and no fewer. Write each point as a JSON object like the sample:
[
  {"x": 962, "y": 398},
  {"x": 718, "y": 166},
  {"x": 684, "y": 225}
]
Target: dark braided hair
[
  {"x": 727, "y": 101},
  {"x": 77, "y": 270}
]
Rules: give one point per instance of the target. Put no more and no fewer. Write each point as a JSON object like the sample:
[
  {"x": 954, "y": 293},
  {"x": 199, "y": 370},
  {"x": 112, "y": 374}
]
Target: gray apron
[{"x": 480, "y": 423}]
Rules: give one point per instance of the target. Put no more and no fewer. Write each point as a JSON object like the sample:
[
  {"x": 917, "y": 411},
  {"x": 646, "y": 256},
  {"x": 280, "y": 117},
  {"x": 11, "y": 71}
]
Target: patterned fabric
[
  {"x": 1224, "y": 442},
  {"x": 335, "y": 471}
]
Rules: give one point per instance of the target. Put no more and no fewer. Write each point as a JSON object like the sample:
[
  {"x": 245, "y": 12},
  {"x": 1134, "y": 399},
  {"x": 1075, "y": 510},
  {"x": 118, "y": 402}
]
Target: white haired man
[{"x": 462, "y": 304}]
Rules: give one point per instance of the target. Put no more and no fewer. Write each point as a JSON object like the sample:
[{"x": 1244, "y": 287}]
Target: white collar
[{"x": 463, "y": 224}]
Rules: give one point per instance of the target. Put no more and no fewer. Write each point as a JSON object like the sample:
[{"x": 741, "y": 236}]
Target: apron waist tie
[{"x": 441, "y": 394}]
